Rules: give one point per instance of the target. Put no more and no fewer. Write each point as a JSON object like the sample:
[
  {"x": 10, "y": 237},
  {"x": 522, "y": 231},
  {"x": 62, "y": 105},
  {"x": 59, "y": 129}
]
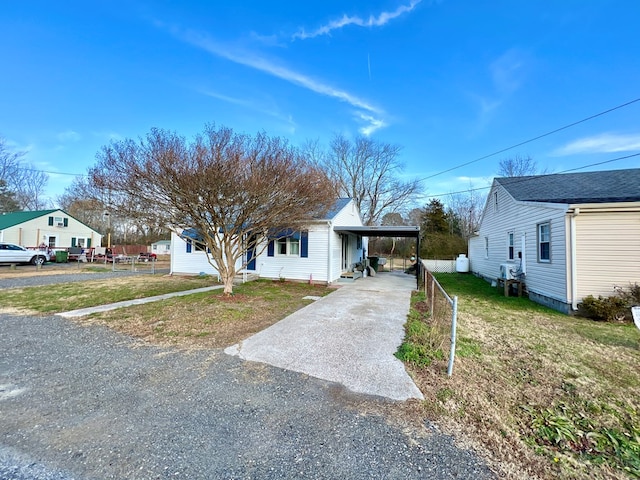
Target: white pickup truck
[{"x": 10, "y": 253}]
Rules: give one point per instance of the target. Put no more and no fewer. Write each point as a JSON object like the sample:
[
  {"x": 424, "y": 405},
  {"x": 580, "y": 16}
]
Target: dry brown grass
[{"x": 211, "y": 320}]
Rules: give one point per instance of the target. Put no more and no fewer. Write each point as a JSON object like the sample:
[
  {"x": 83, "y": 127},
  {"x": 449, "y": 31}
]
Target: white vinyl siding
[{"x": 522, "y": 218}]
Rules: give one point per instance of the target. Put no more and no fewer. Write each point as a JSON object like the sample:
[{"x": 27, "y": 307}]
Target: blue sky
[{"x": 450, "y": 81}]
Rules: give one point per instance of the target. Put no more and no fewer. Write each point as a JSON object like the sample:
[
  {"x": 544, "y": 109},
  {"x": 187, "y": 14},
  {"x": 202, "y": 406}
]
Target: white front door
[{"x": 346, "y": 253}]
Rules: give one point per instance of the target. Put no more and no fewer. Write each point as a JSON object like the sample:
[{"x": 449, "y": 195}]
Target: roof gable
[
  {"x": 610, "y": 186},
  {"x": 337, "y": 207},
  {"x": 16, "y": 218}
]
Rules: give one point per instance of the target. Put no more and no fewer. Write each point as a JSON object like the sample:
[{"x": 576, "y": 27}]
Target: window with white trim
[
  {"x": 289, "y": 246},
  {"x": 544, "y": 242},
  {"x": 510, "y": 245}
]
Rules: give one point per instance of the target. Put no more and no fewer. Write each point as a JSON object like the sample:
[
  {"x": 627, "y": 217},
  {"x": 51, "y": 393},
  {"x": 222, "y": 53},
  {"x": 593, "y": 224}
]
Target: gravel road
[{"x": 81, "y": 402}]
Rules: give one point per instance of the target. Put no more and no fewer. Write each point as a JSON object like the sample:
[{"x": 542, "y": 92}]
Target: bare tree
[
  {"x": 92, "y": 206},
  {"x": 25, "y": 182},
  {"x": 30, "y": 185},
  {"x": 467, "y": 208},
  {"x": 231, "y": 189},
  {"x": 7, "y": 199},
  {"x": 519, "y": 166},
  {"x": 369, "y": 172}
]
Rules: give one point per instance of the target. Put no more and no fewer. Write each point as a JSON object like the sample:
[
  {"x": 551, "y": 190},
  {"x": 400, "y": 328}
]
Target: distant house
[
  {"x": 161, "y": 247},
  {"x": 53, "y": 228},
  {"x": 321, "y": 252},
  {"x": 566, "y": 235}
]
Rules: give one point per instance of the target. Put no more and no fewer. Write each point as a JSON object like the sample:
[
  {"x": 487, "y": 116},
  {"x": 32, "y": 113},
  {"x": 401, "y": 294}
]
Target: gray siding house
[{"x": 565, "y": 235}]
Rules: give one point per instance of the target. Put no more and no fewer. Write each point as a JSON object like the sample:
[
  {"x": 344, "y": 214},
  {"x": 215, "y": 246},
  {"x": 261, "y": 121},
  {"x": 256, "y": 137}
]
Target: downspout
[
  {"x": 329, "y": 251},
  {"x": 574, "y": 263}
]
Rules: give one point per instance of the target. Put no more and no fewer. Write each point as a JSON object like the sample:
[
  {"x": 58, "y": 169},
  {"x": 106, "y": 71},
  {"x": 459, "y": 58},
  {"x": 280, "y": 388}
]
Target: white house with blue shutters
[{"x": 321, "y": 252}]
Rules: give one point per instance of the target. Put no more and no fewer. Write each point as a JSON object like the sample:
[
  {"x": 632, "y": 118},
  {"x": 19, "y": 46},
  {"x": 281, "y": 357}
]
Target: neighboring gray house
[{"x": 566, "y": 235}]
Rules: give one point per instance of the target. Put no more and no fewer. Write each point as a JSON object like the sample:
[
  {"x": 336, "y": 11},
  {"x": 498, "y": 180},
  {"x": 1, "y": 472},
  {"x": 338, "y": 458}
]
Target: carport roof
[{"x": 381, "y": 231}]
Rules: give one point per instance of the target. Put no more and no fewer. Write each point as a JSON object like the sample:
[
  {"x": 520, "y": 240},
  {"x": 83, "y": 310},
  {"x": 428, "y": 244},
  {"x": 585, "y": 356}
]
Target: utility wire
[
  {"x": 524, "y": 179},
  {"x": 535, "y": 138}
]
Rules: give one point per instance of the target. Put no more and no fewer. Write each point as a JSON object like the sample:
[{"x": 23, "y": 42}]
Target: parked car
[
  {"x": 147, "y": 257},
  {"x": 11, "y": 253}
]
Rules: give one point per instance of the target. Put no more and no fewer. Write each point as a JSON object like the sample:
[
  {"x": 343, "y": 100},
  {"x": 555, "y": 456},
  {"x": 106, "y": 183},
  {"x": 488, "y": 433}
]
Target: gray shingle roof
[{"x": 585, "y": 187}]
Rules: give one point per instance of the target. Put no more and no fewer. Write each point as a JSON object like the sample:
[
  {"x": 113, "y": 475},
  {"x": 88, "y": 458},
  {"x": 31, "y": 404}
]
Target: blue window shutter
[
  {"x": 304, "y": 244},
  {"x": 88, "y": 243},
  {"x": 271, "y": 249},
  {"x": 188, "y": 246},
  {"x": 65, "y": 222},
  {"x": 73, "y": 241},
  {"x": 51, "y": 221}
]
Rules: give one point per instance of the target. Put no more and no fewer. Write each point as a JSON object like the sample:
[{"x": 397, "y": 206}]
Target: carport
[{"x": 388, "y": 231}]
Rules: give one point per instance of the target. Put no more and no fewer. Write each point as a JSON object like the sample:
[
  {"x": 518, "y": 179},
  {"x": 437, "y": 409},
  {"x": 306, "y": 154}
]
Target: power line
[
  {"x": 52, "y": 173},
  {"x": 527, "y": 178},
  {"x": 535, "y": 138}
]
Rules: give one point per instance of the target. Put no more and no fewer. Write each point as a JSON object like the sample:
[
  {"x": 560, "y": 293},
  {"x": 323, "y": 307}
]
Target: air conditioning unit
[
  {"x": 507, "y": 271},
  {"x": 60, "y": 224}
]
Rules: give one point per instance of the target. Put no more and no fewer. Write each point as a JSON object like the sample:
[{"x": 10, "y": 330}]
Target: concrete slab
[{"x": 348, "y": 337}]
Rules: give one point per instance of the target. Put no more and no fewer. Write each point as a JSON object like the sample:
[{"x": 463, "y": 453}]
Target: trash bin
[
  {"x": 62, "y": 257},
  {"x": 373, "y": 262}
]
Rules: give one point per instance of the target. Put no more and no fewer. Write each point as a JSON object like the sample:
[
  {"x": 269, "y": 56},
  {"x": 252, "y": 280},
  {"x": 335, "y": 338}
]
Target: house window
[
  {"x": 289, "y": 246},
  {"x": 289, "y": 242},
  {"x": 544, "y": 242},
  {"x": 52, "y": 242},
  {"x": 510, "y": 250},
  {"x": 495, "y": 201},
  {"x": 486, "y": 247}
]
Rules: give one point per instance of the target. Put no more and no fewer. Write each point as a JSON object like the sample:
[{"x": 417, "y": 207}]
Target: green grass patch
[
  {"x": 421, "y": 344},
  {"x": 74, "y": 295}
]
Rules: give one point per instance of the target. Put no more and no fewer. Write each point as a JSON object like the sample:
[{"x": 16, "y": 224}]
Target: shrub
[
  {"x": 631, "y": 295},
  {"x": 606, "y": 309}
]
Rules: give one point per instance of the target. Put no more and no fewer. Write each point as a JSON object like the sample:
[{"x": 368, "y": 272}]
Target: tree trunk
[{"x": 227, "y": 280}]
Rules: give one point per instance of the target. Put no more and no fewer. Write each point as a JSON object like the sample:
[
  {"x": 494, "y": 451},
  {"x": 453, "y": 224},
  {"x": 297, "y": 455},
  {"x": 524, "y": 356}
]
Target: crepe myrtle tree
[{"x": 230, "y": 188}]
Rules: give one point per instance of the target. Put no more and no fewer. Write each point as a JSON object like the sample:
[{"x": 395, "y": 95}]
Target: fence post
[{"x": 454, "y": 321}]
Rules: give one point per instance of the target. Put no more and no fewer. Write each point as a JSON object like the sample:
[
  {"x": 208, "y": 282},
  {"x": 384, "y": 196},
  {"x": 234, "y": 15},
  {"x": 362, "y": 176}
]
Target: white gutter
[
  {"x": 329, "y": 252},
  {"x": 574, "y": 266}
]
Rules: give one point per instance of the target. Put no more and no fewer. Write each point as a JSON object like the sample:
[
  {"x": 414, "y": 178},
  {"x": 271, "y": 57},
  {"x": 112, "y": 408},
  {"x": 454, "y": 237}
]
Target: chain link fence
[{"x": 443, "y": 312}]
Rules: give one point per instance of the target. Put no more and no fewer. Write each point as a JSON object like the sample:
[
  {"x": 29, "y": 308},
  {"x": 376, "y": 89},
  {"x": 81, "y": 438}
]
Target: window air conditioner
[
  {"x": 507, "y": 271},
  {"x": 60, "y": 224}
]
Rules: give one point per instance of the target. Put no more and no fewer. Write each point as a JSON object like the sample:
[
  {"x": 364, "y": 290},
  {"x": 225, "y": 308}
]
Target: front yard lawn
[{"x": 206, "y": 319}]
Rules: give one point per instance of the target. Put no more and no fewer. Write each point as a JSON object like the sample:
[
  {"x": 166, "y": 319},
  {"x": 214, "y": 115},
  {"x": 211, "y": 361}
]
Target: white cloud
[
  {"x": 68, "y": 136},
  {"x": 255, "y": 106},
  {"x": 373, "y": 124},
  {"x": 255, "y": 62},
  {"x": 373, "y": 21},
  {"x": 603, "y": 143}
]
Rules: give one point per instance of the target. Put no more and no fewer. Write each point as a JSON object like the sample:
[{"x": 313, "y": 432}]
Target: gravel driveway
[{"x": 81, "y": 402}]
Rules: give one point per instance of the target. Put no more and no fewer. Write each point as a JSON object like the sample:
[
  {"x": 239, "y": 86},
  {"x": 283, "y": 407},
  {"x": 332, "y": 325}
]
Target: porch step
[{"x": 350, "y": 276}]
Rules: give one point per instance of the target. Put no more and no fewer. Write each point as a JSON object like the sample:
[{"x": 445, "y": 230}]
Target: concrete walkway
[
  {"x": 81, "y": 312},
  {"x": 348, "y": 337}
]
